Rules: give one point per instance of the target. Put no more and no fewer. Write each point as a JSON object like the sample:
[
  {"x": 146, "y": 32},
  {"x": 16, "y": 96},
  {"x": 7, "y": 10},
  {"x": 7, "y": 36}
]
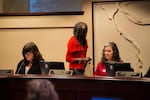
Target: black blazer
[{"x": 35, "y": 69}]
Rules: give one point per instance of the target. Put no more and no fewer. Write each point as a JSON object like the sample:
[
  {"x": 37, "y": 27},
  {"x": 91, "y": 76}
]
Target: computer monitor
[
  {"x": 106, "y": 98},
  {"x": 113, "y": 67}
]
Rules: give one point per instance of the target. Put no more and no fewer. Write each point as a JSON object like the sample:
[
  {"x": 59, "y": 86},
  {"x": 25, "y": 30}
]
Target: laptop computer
[{"x": 113, "y": 67}]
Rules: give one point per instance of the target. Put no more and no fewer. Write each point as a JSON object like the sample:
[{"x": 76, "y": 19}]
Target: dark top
[{"x": 35, "y": 68}]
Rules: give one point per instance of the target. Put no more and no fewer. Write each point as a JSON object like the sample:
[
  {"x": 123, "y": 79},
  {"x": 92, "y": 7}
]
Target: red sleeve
[
  {"x": 69, "y": 58},
  {"x": 75, "y": 50},
  {"x": 71, "y": 49}
]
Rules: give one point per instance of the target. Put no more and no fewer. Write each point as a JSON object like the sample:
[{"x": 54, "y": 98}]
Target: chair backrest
[
  {"x": 46, "y": 66},
  {"x": 56, "y": 65},
  {"x": 6, "y": 72}
]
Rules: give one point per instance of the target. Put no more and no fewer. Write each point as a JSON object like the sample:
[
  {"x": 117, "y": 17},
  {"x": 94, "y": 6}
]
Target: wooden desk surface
[{"x": 79, "y": 87}]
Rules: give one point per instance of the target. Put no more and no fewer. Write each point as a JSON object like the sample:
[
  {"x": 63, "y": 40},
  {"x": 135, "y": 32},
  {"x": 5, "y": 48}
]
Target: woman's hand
[{"x": 85, "y": 60}]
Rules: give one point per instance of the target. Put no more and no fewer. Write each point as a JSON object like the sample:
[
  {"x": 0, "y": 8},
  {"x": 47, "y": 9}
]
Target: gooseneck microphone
[
  {"x": 20, "y": 67},
  {"x": 44, "y": 67}
]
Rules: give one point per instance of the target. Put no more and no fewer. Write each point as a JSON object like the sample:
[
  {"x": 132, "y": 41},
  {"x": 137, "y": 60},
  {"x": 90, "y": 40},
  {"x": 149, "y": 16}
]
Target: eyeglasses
[{"x": 28, "y": 53}]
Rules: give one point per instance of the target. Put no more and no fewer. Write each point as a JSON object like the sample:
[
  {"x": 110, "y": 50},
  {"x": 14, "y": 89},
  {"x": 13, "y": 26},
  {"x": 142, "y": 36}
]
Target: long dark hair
[
  {"x": 80, "y": 32},
  {"x": 32, "y": 47},
  {"x": 116, "y": 56}
]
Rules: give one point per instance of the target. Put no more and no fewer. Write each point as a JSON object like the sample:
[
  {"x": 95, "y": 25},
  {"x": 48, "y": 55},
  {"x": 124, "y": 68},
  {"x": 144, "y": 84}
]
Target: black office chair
[
  {"x": 56, "y": 65},
  {"x": 57, "y": 68},
  {"x": 46, "y": 66}
]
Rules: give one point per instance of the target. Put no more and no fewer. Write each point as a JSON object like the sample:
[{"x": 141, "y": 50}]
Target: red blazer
[
  {"x": 75, "y": 50},
  {"x": 100, "y": 70}
]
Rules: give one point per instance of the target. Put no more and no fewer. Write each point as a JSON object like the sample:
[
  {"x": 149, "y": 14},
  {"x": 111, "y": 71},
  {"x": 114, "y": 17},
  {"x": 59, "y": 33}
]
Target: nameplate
[
  {"x": 128, "y": 74},
  {"x": 6, "y": 72},
  {"x": 60, "y": 72}
]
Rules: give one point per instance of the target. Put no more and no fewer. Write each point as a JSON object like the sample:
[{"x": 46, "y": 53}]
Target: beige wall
[
  {"x": 51, "y": 42},
  {"x": 127, "y": 20}
]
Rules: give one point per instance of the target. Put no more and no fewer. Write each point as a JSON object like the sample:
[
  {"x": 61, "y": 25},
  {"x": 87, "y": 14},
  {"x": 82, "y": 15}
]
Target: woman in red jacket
[
  {"x": 110, "y": 53},
  {"x": 77, "y": 49}
]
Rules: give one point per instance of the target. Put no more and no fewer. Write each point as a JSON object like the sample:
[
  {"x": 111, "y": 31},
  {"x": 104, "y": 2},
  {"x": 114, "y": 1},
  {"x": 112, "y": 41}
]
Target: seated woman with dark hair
[
  {"x": 110, "y": 53},
  {"x": 30, "y": 64}
]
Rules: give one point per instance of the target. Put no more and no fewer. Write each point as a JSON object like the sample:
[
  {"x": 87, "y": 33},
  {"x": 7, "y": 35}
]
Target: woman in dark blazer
[{"x": 31, "y": 62}]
